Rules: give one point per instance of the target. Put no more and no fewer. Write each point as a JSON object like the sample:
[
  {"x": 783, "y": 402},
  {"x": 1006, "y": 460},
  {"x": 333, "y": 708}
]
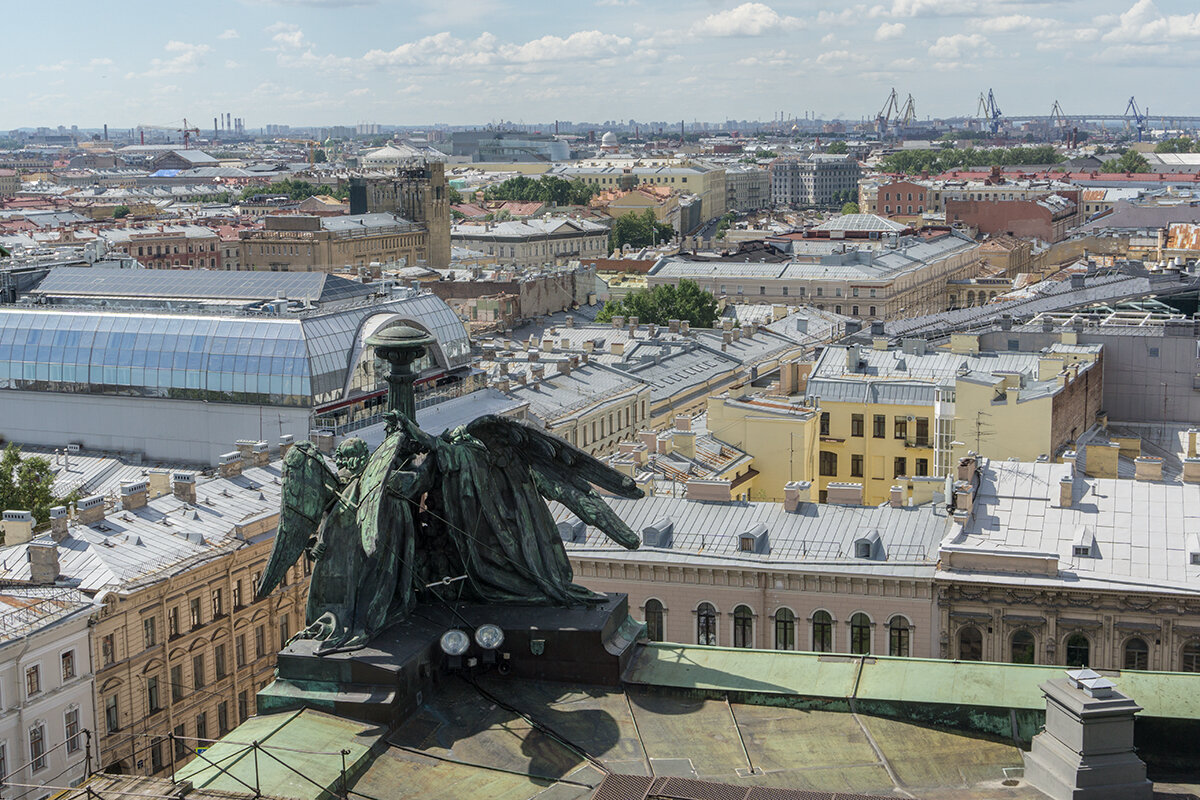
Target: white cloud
[
  {"x": 748, "y": 19},
  {"x": 443, "y": 49},
  {"x": 1015, "y": 22},
  {"x": 100, "y": 62},
  {"x": 889, "y": 30},
  {"x": 1143, "y": 22},
  {"x": 185, "y": 57},
  {"x": 285, "y": 34},
  {"x": 229, "y": 33},
  {"x": 960, "y": 44},
  {"x": 231, "y": 64}
]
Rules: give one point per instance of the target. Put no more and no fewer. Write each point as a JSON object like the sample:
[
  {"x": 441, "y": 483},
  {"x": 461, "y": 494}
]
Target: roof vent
[
  {"x": 659, "y": 534},
  {"x": 869, "y": 546},
  {"x": 1084, "y": 543}
]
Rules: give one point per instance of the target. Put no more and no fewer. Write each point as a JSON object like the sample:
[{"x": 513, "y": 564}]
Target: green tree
[
  {"x": 1130, "y": 161},
  {"x": 454, "y": 195},
  {"x": 549, "y": 189},
  {"x": 638, "y": 230},
  {"x": 26, "y": 484},
  {"x": 1181, "y": 145},
  {"x": 120, "y": 212},
  {"x": 319, "y": 157},
  {"x": 837, "y": 148},
  {"x": 850, "y": 208},
  {"x": 660, "y": 305},
  {"x": 910, "y": 162}
]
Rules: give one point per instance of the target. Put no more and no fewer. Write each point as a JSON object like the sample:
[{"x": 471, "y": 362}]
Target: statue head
[{"x": 352, "y": 455}]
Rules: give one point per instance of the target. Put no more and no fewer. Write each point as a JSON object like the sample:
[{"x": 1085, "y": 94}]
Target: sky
[{"x": 458, "y": 62}]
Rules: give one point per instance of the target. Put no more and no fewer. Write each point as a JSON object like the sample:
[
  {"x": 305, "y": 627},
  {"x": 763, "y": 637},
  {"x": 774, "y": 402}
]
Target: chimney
[
  {"x": 564, "y": 366},
  {"x": 737, "y": 334},
  {"x": 1191, "y": 446},
  {"x": 618, "y": 322},
  {"x": 160, "y": 482},
  {"x": 795, "y": 493},
  {"x": 503, "y": 385},
  {"x": 90, "y": 510},
  {"x": 323, "y": 440},
  {"x": 229, "y": 465},
  {"x": 896, "y": 497},
  {"x": 58, "y": 523},
  {"x": 673, "y": 326},
  {"x": 1147, "y": 468},
  {"x": 538, "y": 371},
  {"x": 1066, "y": 491},
  {"x": 183, "y": 485},
  {"x": 726, "y": 337},
  {"x": 18, "y": 527},
  {"x": 633, "y": 323},
  {"x": 43, "y": 562},
  {"x": 685, "y": 327},
  {"x": 1069, "y": 459},
  {"x": 285, "y": 444},
  {"x": 133, "y": 495},
  {"x": 262, "y": 454},
  {"x": 964, "y": 497},
  {"x": 726, "y": 324},
  {"x": 1191, "y": 470},
  {"x": 683, "y": 422},
  {"x": 246, "y": 447},
  {"x": 877, "y": 328},
  {"x": 649, "y": 439}
]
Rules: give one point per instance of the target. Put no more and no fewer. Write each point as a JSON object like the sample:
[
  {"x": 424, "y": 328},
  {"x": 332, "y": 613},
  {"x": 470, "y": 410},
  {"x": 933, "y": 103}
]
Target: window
[
  {"x": 108, "y": 650},
  {"x": 219, "y": 660},
  {"x": 239, "y": 650},
  {"x": 785, "y": 629},
  {"x": 900, "y": 428},
  {"x": 173, "y": 622},
  {"x": 1190, "y": 661},
  {"x": 899, "y": 634},
  {"x": 922, "y": 467},
  {"x": 243, "y": 707},
  {"x": 156, "y": 755},
  {"x": 654, "y": 620},
  {"x": 856, "y": 466},
  {"x": 706, "y": 624},
  {"x": 856, "y": 425},
  {"x": 112, "y": 718},
  {"x": 1022, "y": 647},
  {"x": 181, "y": 749},
  {"x": 237, "y": 593},
  {"x": 202, "y": 727},
  {"x": 194, "y": 611},
  {"x": 824, "y": 423},
  {"x": 743, "y": 627},
  {"x": 223, "y": 718},
  {"x": 218, "y": 603},
  {"x": 37, "y": 747},
  {"x": 822, "y": 632},
  {"x": 970, "y": 644},
  {"x": 1079, "y": 650},
  {"x": 71, "y": 727},
  {"x": 176, "y": 683},
  {"x": 871, "y": 310},
  {"x": 149, "y": 637},
  {"x": 854, "y": 311},
  {"x": 860, "y": 634},
  {"x": 828, "y": 464},
  {"x": 260, "y": 641},
  {"x": 1137, "y": 654},
  {"x": 922, "y": 431},
  {"x": 862, "y": 549},
  {"x": 284, "y": 635},
  {"x": 33, "y": 680},
  {"x": 152, "y": 698},
  {"x": 899, "y": 467},
  {"x": 878, "y": 426},
  {"x": 198, "y": 671}
]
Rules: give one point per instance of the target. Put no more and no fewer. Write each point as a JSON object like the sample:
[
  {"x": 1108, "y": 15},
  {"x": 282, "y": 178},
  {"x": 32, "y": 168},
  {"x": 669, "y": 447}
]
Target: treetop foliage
[
  {"x": 911, "y": 162},
  {"x": 660, "y": 305}
]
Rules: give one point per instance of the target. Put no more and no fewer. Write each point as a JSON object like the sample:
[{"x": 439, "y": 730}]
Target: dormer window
[
  {"x": 1084, "y": 545},
  {"x": 862, "y": 549},
  {"x": 746, "y": 544},
  {"x": 869, "y": 546},
  {"x": 1082, "y": 551}
]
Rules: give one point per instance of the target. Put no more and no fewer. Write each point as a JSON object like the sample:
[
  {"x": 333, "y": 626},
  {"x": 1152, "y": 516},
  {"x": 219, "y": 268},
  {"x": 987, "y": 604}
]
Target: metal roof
[{"x": 199, "y": 284}]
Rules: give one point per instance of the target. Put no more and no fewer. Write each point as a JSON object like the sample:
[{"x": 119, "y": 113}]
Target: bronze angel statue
[{"x": 470, "y": 502}]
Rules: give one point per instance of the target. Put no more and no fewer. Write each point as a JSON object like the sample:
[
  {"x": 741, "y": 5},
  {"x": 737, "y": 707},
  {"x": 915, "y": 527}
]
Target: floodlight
[{"x": 489, "y": 636}]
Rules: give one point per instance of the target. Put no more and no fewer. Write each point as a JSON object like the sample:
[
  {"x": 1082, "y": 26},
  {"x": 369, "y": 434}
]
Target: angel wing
[
  {"x": 562, "y": 472},
  {"x": 307, "y": 486}
]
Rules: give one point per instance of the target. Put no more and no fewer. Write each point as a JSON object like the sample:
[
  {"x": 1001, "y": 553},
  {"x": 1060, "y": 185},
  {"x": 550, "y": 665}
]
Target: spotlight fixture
[
  {"x": 455, "y": 642},
  {"x": 489, "y": 636}
]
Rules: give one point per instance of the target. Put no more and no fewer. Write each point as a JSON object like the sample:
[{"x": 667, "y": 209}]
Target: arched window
[
  {"x": 1137, "y": 654},
  {"x": 899, "y": 633},
  {"x": 860, "y": 634},
  {"x": 654, "y": 620},
  {"x": 1022, "y": 647},
  {"x": 706, "y": 624},
  {"x": 1079, "y": 650},
  {"x": 1191, "y": 657},
  {"x": 785, "y": 629},
  {"x": 822, "y": 632},
  {"x": 970, "y": 299},
  {"x": 743, "y": 627},
  {"x": 970, "y": 644}
]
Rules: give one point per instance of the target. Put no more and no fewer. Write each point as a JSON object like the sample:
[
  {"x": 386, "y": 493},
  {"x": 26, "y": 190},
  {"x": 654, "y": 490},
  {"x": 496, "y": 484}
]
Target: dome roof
[{"x": 608, "y": 138}]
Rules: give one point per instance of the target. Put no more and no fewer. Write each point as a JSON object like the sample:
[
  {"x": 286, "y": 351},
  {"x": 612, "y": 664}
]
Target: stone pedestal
[
  {"x": 387, "y": 680},
  {"x": 1086, "y": 750}
]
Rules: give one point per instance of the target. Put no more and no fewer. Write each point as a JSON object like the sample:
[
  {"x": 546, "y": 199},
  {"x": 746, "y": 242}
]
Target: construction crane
[
  {"x": 909, "y": 112},
  {"x": 889, "y": 113},
  {"x": 185, "y": 130},
  {"x": 1139, "y": 118},
  {"x": 988, "y": 111}
]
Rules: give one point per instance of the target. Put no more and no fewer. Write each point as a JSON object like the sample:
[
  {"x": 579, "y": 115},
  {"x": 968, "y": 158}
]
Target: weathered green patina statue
[{"x": 421, "y": 508}]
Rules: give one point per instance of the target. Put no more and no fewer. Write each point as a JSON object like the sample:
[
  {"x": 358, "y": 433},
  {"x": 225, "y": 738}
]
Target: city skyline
[{"x": 320, "y": 62}]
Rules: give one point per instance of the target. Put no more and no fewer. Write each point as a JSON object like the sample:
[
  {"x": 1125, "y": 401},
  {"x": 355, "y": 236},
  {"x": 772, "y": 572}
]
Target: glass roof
[{"x": 200, "y": 284}]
